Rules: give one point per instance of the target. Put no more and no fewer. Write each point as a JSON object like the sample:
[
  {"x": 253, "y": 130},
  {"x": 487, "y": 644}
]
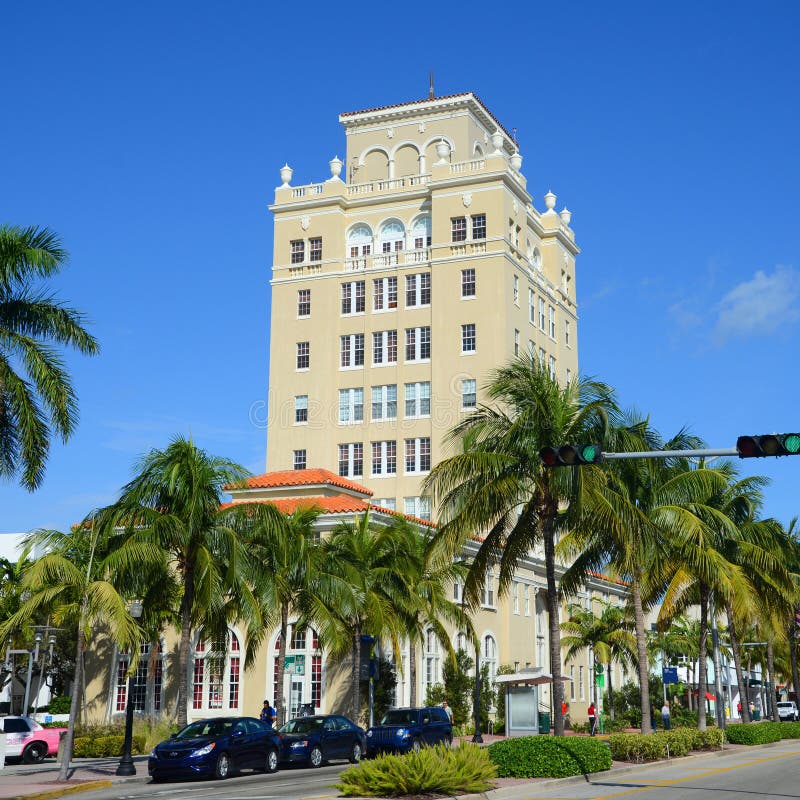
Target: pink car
[{"x": 28, "y": 740}]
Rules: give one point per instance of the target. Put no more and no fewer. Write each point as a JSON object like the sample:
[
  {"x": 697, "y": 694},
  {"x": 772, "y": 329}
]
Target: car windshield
[
  {"x": 786, "y": 705},
  {"x": 206, "y": 728},
  {"x": 304, "y": 725},
  {"x": 399, "y": 716}
]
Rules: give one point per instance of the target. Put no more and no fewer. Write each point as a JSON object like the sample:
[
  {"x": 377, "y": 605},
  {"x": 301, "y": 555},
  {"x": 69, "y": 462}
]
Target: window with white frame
[
  {"x": 541, "y": 314},
  {"x": 418, "y": 290},
  {"x": 468, "y": 282},
  {"x": 384, "y": 347},
  {"x": 458, "y": 591},
  {"x": 566, "y": 333},
  {"x": 299, "y": 459},
  {"x": 351, "y": 405},
  {"x": 300, "y": 409},
  {"x": 431, "y": 657},
  {"x": 490, "y": 655},
  {"x": 536, "y": 260},
  {"x": 216, "y": 675},
  {"x": 478, "y": 226},
  {"x": 542, "y": 356},
  {"x": 569, "y": 375},
  {"x": 418, "y": 399},
  {"x": 384, "y": 458},
  {"x": 303, "y": 302},
  {"x": 419, "y": 507},
  {"x": 418, "y": 455},
  {"x": 384, "y": 401},
  {"x": 384, "y": 294},
  {"x": 304, "y": 642},
  {"x": 315, "y": 249},
  {"x": 468, "y": 338},
  {"x": 531, "y": 307},
  {"x": 516, "y": 342},
  {"x": 572, "y": 682},
  {"x": 298, "y": 251},
  {"x": 303, "y": 355},
  {"x": 516, "y": 290},
  {"x": 393, "y": 237},
  {"x": 461, "y": 642},
  {"x": 352, "y": 350},
  {"x": 458, "y": 229},
  {"x": 469, "y": 397},
  {"x": 551, "y": 365},
  {"x": 418, "y": 343},
  {"x": 351, "y": 460},
  {"x": 421, "y": 233},
  {"x": 551, "y": 321},
  {"x": 527, "y": 601},
  {"x": 359, "y": 241},
  {"x": 515, "y": 595},
  {"x": 353, "y": 297},
  {"x": 141, "y": 687},
  {"x": 389, "y": 503},
  {"x": 581, "y": 689},
  {"x": 487, "y": 593}
]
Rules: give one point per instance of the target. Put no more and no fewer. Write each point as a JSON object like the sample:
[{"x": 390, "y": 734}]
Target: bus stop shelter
[{"x": 523, "y": 715}]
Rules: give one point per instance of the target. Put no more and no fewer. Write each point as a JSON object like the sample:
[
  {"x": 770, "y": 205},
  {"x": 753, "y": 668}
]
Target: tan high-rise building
[{"x": 397, "y": 291}]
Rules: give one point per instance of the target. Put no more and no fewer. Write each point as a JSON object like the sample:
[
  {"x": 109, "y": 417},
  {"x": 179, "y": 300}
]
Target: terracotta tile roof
[
  {"x": 303, "y": 477},
  {"x": 429, "y": 100},
  {"x": 606, "y": 578}
]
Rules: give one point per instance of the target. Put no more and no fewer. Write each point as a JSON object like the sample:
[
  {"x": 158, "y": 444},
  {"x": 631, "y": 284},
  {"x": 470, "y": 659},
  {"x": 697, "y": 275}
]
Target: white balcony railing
[{"x": 383, "y": 260}]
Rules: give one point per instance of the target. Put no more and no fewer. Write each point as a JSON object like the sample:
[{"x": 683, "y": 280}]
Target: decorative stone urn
[
  {"x": 286, "y": 174},
  {"x": 497, "y": 142},
  {"x": 516, "y": 161},
  {"x": 443, "y": 151},
  {"x": 336, "y": 168},
  {"x": 550, "y": 201},
  {"x": 566, "y": 215}
]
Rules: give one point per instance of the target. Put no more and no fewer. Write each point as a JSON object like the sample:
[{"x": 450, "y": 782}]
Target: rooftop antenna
[
  {"x": 431, "y": 95},
  {"x": 514, "y": 135}
]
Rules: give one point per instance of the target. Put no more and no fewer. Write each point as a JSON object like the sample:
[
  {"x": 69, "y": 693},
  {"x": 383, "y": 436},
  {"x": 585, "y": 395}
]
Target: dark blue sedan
[
  {"x": 312, "y": 740},
  {"x": 216, "y": 747}
]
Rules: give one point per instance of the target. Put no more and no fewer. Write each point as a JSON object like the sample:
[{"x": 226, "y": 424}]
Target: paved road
[
  {"x": 291, "y": 783},
  {"x": 758, "y": 774}
]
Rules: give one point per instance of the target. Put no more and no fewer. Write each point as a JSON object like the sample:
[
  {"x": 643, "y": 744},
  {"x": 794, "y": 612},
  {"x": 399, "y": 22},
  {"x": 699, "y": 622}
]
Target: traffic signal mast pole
[{"x": 724, "y": 451}]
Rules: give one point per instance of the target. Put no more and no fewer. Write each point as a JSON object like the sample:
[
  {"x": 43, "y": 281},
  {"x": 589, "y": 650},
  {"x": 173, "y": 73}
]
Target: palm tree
[
  {"x": 498, "y": 486},
  {"x": 362, "y": 591},
  {"x": 41, "y": 399},
  {"x": 608, "y": 636},
  {"x": 170, "y": 515},
  {"x": 284, "y": 560},
  {"x": 73, "y": 583}
]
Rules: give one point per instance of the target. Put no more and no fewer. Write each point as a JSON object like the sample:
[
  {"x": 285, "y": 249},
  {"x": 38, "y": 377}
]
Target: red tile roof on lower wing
[{"x": 303, "y": 477}]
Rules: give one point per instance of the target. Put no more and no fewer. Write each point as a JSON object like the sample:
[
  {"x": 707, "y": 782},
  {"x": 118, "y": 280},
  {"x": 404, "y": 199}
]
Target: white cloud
[{"x": 759, "y": 306}]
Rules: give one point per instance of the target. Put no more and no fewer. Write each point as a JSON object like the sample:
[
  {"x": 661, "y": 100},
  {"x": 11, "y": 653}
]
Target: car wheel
[
  {"x": 272, "y": 761},
  {"x": 34, "y": 753},
  {"x": 315, "y": 757},
  {"x": 224, "y": 766},
  {"x": 416, "y": 745},
  {"x": 355, "y": 753}
]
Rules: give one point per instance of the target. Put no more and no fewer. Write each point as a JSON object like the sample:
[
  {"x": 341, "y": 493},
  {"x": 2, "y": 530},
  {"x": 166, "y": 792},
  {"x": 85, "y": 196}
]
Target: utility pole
[{"x": 719, "y": 705}]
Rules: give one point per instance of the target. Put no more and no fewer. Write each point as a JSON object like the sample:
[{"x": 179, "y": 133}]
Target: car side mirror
[{"x": 173, "y": 735}]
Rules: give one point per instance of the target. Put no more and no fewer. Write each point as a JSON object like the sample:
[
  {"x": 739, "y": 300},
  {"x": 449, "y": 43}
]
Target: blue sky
[{"x": 150, "y": 136}]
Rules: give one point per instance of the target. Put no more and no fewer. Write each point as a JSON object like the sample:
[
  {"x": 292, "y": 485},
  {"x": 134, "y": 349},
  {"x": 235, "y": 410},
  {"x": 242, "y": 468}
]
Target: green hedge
[
  {"x": 549, "y": 756},
  {"x": 434, "y": 770},
  {"x": 755, "y": 732},
  {"x": 789, "y": 730},
  {"x": 662, "y": 744},
  {"x": 105, "y": 746}
]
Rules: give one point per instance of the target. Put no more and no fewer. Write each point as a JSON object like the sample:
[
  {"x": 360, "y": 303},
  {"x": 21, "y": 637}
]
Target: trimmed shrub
[
  {"x": 105, "y": 746},
  {"x": 754, "y": 733},
  {"x": 789, "y": 730},
  {"x": 60, "y": 705},
  {"x": 549, "y": 756},
  {"x": 434, "y": 770},
  {"x": 709, "y": 739}
]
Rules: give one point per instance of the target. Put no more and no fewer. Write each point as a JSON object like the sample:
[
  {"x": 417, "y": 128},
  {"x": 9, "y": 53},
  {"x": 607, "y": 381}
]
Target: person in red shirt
[{"x": 592, "y": 719}]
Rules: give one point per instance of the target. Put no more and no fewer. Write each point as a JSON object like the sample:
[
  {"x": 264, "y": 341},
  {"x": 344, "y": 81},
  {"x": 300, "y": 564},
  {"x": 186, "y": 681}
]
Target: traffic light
[
  {"x": 569, "y": 455},
  {"x": 773, "y": 444}
]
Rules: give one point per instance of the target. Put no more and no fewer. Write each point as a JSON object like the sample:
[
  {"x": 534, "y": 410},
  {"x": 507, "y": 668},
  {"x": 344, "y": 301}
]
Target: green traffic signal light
[
  {"x": 570, "y": 455},
  {"x": 771, "y": 444}
]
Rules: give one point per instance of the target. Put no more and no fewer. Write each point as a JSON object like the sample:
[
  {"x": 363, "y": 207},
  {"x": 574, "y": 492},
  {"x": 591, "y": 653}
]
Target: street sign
[
  {"x": 669, "y": 674},
  {"x": 295, "y": 664},
  {"x": 600, "y": 680}
]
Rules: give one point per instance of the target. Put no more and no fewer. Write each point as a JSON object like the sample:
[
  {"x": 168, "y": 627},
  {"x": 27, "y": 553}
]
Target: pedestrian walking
[
  {"x": 592, "y": 719},
  {"x": 268, "y": 714},
  {"x": 448, "y": 711},
  {"x": 665, "y": 715}
]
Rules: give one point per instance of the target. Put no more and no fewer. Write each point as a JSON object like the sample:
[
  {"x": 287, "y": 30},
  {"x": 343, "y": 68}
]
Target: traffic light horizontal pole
[{"x": 725, "y": 451}]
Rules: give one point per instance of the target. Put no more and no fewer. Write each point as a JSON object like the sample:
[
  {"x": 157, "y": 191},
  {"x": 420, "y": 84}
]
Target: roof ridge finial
[{"x": 431, "y": 94}]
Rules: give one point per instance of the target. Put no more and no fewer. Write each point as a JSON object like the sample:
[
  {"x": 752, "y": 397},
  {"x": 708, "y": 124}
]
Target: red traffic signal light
[
  {"x": 772, "y": 444},
  {"x": 570, "y": 455}
]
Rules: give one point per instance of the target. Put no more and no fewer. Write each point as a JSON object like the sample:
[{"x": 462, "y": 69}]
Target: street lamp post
[
  {"x": 32, "y": 658},
  {"x": 477, "y": 738},
  {"x": 126, "y": 765}
]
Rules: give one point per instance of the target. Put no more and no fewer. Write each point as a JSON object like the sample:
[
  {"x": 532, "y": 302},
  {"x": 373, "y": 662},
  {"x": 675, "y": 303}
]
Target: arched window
[
  {"x": 461, "y": 642},
  {"x": 359, "y": 241},
  {"x": 216, "y": 676},
  {"x": 536, "y": 259},
  {"x": 139, "y": 696},
  {"x": 489, "y": 655},
  {"x": 300, "y": 678},
  {"x": 421, "y": 233},
  {"x": 393, "y": 237}
]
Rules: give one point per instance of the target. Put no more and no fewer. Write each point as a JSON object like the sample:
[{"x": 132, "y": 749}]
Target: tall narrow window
[
  {"x": 299, "y": 459},
  {"x": 418, "y": 344},
  {"x": 531, "y": 310},
  {"x": 478, "y": 226},
  {"x": 541, "y": 314},
  {"x": 315, "y": 249},
  {"x": 566, "y": 332},
  {"x": 303, "y": 302},
  {"x": 551, "y": 321},
  {"x": 487, "y": 594},
  {"x": 303, "y": 355},
  {"x": 351, "y": 460},
  {"x": 516, "y": 342},
  {"x": 298, "y": 251},
  {"x": 551, "y": 365},
  {"x": 384, "y": 347},
  {"x": 234, "y": 673},
  {"x": 468, "y": 338},
  {"x": 384, "y": 294},
  {"x": 384, "y": 458},
  {"x": 468, "y": 393},
  {"x": 301, "y": 408},
  {"x": 352, "y": 350},
  {"x": 516, "y": 290},
  {"x": 459, "y": 229},
  {"x": 353, "y": 297},
  {"x": 468, "y": 283},
  {"x": 418, "y": 290}
]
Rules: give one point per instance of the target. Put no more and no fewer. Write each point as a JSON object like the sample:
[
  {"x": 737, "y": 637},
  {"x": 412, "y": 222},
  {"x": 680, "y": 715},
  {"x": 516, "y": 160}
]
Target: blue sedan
[
  {"x": 312, "y": 740},
  {"x": 216, "y": 747}
]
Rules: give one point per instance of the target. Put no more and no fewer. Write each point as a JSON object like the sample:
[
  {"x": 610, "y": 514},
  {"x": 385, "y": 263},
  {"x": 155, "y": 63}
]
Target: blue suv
[{"x": 405, "y": 729}]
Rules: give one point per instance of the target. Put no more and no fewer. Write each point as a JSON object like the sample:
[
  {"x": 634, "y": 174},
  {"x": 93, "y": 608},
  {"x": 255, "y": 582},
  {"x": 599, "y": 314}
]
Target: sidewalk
[{"x": 40, "y": 781}]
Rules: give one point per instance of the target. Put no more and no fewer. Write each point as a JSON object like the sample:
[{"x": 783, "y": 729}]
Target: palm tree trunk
[
  {"x": 355, "y": 699},
  {"x": 412, "y": 672},
  {"x": 610, "y": 693},
  {"x": 770, "y": 695},
  {"x": 702, "y": 666},
  {"x": 69, "y": 738},
  {"x": 280, "y": 711},
  {"x": 555, "y": 625},
  {"x": 793, "y": 631},
  {"x": 737, "y": 662},
  {"x": 187, "y": 601},
  {"x": 641, "y": 647}
]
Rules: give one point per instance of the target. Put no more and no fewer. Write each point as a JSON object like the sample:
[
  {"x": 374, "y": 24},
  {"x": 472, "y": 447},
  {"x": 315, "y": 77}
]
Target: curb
[{"x": 64, "y": 790}]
